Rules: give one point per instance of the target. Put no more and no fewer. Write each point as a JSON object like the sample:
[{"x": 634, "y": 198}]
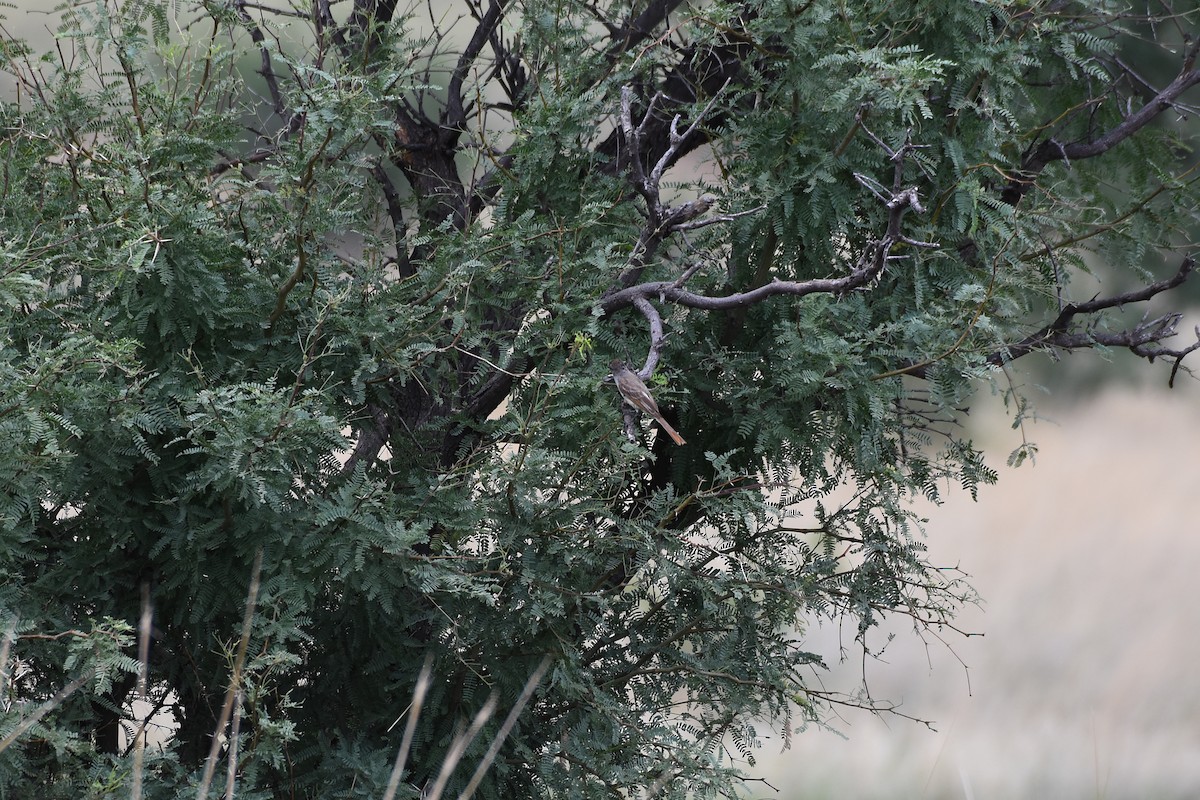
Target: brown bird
[{"x": 637, "y": 395}]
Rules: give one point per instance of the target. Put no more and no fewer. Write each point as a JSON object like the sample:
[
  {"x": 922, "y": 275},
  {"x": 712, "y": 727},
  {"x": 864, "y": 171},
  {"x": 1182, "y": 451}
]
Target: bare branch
[
  {"x": 656, "y": 335},
  {"x": 1052, "y": 150},
  {"x": 454, "y": 118},
  {"x": 633, "y": 141},
  {"x": 639, "y": 29},
  {"x": 688, "y": 273},
  {"x": 1055, "y": 334},
  {"x": 1142, "y": 340},
  {"x": 667, "y": 290},
  {"x": 676, "y": 139},
  {"x": 870, "y": 265},
  {"x": 704, "y": 223},
  {"x": 698, "y": 75},
  {"x": 661, "y": 220}
]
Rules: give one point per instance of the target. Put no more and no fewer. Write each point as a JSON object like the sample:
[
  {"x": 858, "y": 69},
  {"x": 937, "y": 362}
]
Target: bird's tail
[{"x": 674, "y": 434}]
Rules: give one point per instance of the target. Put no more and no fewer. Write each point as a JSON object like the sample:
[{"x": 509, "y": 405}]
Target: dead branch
[
  {"x": 1057, "y": 336},
  {"x": 1051, "y": 150}
]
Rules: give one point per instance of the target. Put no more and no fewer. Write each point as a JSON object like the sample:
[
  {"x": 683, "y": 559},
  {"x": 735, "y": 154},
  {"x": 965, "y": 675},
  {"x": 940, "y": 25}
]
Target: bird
[{"x": 635, "y": 393}]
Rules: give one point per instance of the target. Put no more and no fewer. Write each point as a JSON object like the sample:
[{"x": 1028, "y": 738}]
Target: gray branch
[{"x": 1052, "y": 150}]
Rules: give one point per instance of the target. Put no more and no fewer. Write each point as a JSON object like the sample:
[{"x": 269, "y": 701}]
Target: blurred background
[{"x": 1084, "y": 682}]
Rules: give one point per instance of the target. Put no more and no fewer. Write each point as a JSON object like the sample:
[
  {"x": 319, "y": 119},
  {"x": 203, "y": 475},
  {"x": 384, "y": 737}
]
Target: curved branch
[
  {"x": 1055, "y": 334},
  {"x": 874, "y": 260},
  {"x": 668, "y": 291},
  {"x": 656, "y": 335},
  {"x": 454, "y": 117},
  {"x": 1052, "y": 150},
  {"x": 637, "y": 30},
  {"x": 870, "y": 267}
]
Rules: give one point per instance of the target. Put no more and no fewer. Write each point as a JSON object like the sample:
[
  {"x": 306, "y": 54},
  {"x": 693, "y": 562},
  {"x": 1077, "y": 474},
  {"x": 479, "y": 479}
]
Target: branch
[
  {"x": 266, "y": 70},
  {"x": 1142, "y": 340},
  {"x": 454, "y": 117},
  {"x": 295, "y": 121},
  {"x": 372, "y": 436},
  {"x": 676, "y": 140},
  {"x": 395, "y": 210},
  {"x": 647, "y": 185},
  {"x": 368, "y": 20},
  {"x": 633, "y": 141},
  {"x": 45, "y": 708},
  {"x": 497, "y": 387},
  {"x": 869, "y": 268},
  {"x": 1138, "y": 338},
  {"x": 668, "y": 291},
  {"x": 654, "y": 320},
  {"x": 1055, "y": 334},
  {"x": 698, "y": 74},
  {"x": 1052, "y": 150},
  {"x": 638, "y": 30},
  {"x": 871, "y": 264},
  {"x": 707, "y": 201},
  {"x": 661, "y": 220}
]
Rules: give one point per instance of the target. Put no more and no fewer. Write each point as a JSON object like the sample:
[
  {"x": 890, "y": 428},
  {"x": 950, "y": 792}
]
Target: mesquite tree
[{"x": 308, "y": 311}]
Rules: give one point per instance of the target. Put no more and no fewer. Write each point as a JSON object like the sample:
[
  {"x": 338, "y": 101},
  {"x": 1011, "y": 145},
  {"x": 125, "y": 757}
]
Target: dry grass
[{"x": 1085, "y": 682}]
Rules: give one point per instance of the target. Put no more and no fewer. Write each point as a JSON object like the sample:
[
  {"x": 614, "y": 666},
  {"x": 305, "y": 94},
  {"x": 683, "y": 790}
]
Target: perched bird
[{"x": 637, "y": 395}]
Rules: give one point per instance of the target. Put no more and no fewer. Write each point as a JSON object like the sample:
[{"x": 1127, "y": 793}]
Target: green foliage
[{"x": 264, "y": 289}]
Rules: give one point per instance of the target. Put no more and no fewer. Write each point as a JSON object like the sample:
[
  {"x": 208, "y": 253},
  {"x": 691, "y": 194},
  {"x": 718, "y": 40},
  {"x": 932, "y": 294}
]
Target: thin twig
[
  {"x": 210, "y": 764},
  {"x": 139, "y": 744},
  {"x": 505, "y": 729},
  {"x": 45, "y": 708},
  {"x": 458, "y": 747},
  {"x": 410, "y": 728}
]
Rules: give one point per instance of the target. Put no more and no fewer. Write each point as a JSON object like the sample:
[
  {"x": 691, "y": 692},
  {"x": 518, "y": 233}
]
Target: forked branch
[
  {"x": 1051, "y": 150},
  {"x": 1142, "y": 340},
  {"x": 898, "y": 200}
]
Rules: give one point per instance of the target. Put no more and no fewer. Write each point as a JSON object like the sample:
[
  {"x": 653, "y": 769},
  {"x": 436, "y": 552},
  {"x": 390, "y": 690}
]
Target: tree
[{"x": 304, "y": 363}]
